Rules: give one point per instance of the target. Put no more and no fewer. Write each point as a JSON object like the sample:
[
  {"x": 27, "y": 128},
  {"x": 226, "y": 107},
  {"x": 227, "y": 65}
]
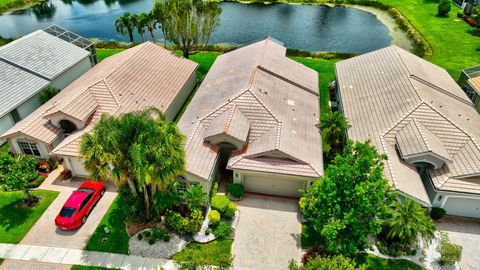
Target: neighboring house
[
  {"x": 417, "y": 115},
  {"x": 141, "y": 77},
  {"x": 255, "y": 119},
  {"x": 470, "y": 82},
  {"x": 32, "y": 63}
]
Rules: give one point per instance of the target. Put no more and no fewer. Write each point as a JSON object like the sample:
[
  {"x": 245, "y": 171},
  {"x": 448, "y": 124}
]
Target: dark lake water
[{"x": 305, "y": 27}]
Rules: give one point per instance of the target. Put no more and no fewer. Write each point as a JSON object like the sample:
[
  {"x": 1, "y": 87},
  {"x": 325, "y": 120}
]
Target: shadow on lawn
[{"x": 14, "y": 214}]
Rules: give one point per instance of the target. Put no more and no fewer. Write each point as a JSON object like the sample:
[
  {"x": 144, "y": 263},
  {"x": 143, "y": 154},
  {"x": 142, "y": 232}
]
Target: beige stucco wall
[
  {"x": 6, "y": 123},
  {"x": 71, "y": 74},
  {"x": 75, "y": 165},
  {"x": 43, "y": 148},
  {"x": 180, "y": 99}
]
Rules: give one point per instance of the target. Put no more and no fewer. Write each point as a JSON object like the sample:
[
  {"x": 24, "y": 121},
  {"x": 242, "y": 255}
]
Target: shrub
[
  {"x": 151, "y": 241},
  {"x": 327, "y": 263},
  {"x": 36, "y": 182},
  {"x": 450, "y": 253},
  {"x": 230, "y": 212},
  {"x": 223, "y": 230},
  {"x": 53, "y": 163},
  {"x": 174, "y": 221},
  {"x": 139, "y": 236},
  {"x": 220, "y": 203},
  {"x": 236, "y": 190},
  {"x": 190, "y": 224},
  {"x": 437, "y": 213},
  {"x": 147, "y": 234},
  {"x": 460, "y": 15},
  {"x": 444, "y": 7},
  {"x": 214, "y": 217},
  {"x": 159, "y": 234}
]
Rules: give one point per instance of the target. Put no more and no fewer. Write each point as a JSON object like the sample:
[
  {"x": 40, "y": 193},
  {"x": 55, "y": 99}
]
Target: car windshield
[
  {"x": 86, "y": 190},
  {"x": 67, "y": 212}
]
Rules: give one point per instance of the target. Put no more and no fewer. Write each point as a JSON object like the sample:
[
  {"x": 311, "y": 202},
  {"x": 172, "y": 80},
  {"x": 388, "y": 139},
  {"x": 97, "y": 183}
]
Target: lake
[{"x": 303, "y": 27}]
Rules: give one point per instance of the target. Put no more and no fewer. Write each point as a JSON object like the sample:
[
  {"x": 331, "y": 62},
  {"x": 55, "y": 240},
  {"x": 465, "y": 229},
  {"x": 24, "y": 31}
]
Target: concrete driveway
[
  {"x": 464, "y": 232},
  {"x": 267, "y": 234},
  {"x": 44, "y": 232}
]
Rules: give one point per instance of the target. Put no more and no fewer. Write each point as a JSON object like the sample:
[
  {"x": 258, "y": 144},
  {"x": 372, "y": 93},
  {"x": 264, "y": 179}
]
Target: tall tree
[
  {"x": 16, "y": 172},
  {"x": 150, "y": 23},
  {"x": 137, "y": 148},
  {"x": 125, "y": 24},
  {"x": 159, "y": 17},
  {"x": 140, "y": 20},
  {"x": 334, "y": 126},
  {"x": 187, "y": 23},
  {"x": 347, "y": 205},
  {"x": 407, "y": 221}
]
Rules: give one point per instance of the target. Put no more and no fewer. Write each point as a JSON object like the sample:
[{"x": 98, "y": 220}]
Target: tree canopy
[
  {"x": 125, "y": 24},
  {"x": 334, "y": 126},
  {"x": 327, "y": 263},
  {"x": 139, "y": 149},
  {"x": 187, "y": 23},
  {"x": 16, "y": 172},
  {"x": 347, "y": 205}
]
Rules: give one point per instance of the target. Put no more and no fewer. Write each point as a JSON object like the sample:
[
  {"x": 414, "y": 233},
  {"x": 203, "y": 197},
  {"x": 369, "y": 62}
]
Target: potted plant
[{"x": 67, "y": 175}]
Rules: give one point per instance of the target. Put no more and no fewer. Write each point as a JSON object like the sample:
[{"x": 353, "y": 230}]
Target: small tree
[
  {"x": 444, "y": 7},
  {"x": 187, "y": 23},
  {"x": 125, "y": 24},
  {"x": 347, "y": 205},
  {"x": 140, "y": 21},
  {"x": 48, "y": 93},
  {"x": 338, "y": 262},
  {"x": 194, "y": 197},
  {"x": 16, "y": 173},
  {"x": 334, "y": 126}
]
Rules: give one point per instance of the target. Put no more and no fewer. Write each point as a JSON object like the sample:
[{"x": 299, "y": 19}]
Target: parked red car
[{"x": 78, "y": 206}]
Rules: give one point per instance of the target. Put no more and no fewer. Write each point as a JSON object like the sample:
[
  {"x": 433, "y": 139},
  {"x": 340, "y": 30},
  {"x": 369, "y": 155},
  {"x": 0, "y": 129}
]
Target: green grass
[
  {"x": 4, "y": 148},
  {"x": 9, "y": 5},
  {"x": 104, "y": 53},
  {"x": 15, "y": 220},
  {"x": 218, "y": 252},
  {"x": 326, "y": 73},
  {"x": 372, "y": 262},
  {"x": 117, "y": 239},
  {"x": 83, "y": 267},
  {"x": 1, "y": 260}
]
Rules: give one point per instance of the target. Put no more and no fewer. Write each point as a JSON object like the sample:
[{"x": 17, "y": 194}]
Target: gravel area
[
  {"x": 161, "y": 249},
  {"x": 201, "y": 237}
]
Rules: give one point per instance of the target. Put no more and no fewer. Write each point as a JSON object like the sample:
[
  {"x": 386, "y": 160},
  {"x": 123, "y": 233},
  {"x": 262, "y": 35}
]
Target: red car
[{"x": 78, "y": 206}]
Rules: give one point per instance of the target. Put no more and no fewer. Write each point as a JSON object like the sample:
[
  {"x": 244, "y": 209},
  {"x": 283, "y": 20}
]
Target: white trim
[{"x": 446, "y": 197}]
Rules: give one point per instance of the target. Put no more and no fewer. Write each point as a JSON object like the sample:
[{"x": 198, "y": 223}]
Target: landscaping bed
[
  {"x": 16, "y": 219},
  {"x": 141, "y": 244},
  {"x": 218, "y": 252}
]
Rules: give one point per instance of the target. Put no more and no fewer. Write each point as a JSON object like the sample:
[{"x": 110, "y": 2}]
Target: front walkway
[
  {"x": 268, "y": 233},
  {"x": 69, "y": 256},
  {"x": 44, "y": 232}
]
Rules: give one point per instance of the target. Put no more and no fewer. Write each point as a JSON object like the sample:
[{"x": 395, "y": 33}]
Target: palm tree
[
  {"x": 125, "y": 25},
  {"x": 139, "y": 21},
  {"x": 194, "y": 197},
  {"x": 139, "y": 149},
  {"x": 407, "y": 221},
  {"x": 150, "y": 23},
  {"x": 334, "y": 126}
]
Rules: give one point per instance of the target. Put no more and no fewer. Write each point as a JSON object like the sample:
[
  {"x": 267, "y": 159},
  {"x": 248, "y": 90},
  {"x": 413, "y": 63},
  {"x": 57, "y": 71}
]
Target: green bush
[
  {"x": 437, "y": 213},
  {"x": 236, "y": 190},
  {"x": 139, "y": 236},
  {"x": 450, "y": 253},
  {"x": 220, "y": 203},
  {"x": 223, "y": 231},
  {"x": 36, "y": 182},
  {"x": 327, "y": 263},
  {"x": 190, "y": 224},
  {"x": 151, "y": 241},
  {"x": 444, "y": 7},
  {"x": 230, "y": 212},
  {"x": 214, "y": 217}
]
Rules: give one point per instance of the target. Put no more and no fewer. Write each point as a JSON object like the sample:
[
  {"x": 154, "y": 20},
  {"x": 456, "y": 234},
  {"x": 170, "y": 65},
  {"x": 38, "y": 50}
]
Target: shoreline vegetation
[{"x": 12, "y": 5}]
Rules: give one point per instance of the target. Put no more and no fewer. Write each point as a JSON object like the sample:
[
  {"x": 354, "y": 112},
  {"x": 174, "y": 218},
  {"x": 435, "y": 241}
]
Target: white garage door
[
  {"x": 463, "y": 207},
  {"x": 273, "y": 185},
  {"x": 77, "y": 166}
]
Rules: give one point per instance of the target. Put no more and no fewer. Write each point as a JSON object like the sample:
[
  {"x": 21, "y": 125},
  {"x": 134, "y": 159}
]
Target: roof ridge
[
  {"x": 388, "y": 163},
  {"x": 265, "y": 106},
  {"x": 422, "y": 134},
  {"x": 409, "y": 72},
  {"x": 111, "y": 92},
  {"x": 439, "y": 89},
  {"x": 402, "y": 118},
  {"x": 230, "y": 117},
  {"x": 223, "y": 105}
]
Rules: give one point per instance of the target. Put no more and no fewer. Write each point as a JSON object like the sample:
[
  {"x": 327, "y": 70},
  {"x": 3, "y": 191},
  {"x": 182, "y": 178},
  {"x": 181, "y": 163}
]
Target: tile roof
[
  {"x": 279, "y": 99},
  {"x": 388, "y": 93},
  {"x": 143, "y": 76},
  {"x": 230, "y": 122},
  {"x": 28, "y": 64}
]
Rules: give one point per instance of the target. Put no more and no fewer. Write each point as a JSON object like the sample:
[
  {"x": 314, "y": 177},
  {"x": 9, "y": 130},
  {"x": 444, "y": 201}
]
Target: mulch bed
[{"x": 133, "y": 228}]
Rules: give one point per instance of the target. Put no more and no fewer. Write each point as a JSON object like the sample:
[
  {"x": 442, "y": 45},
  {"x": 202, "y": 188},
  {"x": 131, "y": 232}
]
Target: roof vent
[{"x": 291, "y": 102}]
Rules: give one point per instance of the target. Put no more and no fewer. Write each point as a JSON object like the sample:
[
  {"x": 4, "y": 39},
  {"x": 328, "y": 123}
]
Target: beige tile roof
[
  {"x": 231, "y": 122},
  {"x": 278, "y": 96},
  {"x": 388, "y": 93},
  {"x": 143, "y": 76}
]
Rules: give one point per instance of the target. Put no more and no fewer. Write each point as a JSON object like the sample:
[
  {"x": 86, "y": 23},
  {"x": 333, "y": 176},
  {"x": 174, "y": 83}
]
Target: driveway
[
  {"x": 44, "y": 232},
  {"x": 464, "y": 232},
  {"x": 267, "y": 234}
]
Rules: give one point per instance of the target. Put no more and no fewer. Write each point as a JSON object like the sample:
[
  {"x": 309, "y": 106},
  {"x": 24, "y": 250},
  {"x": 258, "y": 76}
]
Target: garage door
[
  {"x": 463, "y": 207},
  {"x": 281, "y": 186},
  {"x": 77, "y": 167}
]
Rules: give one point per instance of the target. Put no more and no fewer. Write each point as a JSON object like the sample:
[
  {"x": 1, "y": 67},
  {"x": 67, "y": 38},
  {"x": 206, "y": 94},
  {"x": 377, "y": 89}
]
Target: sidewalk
[{"x": 71, "y": 256}]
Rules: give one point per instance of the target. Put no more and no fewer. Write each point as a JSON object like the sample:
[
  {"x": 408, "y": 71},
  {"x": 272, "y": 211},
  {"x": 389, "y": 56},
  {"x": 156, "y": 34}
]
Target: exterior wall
[
  {"x": 43, "y": 148},
  {"x": 180, "y": 99},
  {"x": 224, "y": 138},
  {"x": 206, "y": 185},
  {"x": 29, "y": 106},
  {"x": 427, "y": 183},
  {"x": 72, "y": 73},
  {"x": 6, "y": 123},
  {"x": 470, "y": 207},
  {"x": 428, "y": 158},
  {"x": 57, "y": 117},
  {"x": 75, "y": 164}
]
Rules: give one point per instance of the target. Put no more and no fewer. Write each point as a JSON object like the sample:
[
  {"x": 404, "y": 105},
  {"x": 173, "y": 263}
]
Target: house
[
  {"x": 32, "y": 63},
  {"x": 254, "y": 120},
  {"x": 470, "y": 82},
  {"x": 141, "y": 77},
  {"x": 417, "y": 115}
]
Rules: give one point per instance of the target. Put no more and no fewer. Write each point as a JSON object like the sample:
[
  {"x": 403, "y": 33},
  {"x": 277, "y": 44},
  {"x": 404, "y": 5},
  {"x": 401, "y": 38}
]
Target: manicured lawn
[
  {"x": 117, "y": 239},
  {"x": 453, "y": 45},
  {"x": 372, "y": 262},
  {"x": 326, "y": 73},
  {"x": 218, "y": 252},
  {"x": 4, "y": 148},
  {"x": 15, "y": 220},
  {"x": 83, "y": 267},
  {"x": 8, "y": 5},
  {"x": 104, "y": 53}
]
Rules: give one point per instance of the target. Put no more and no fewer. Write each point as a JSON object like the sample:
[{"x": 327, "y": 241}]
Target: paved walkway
[
  {"x": 70, "y": 256},
  {"x": 24, "y": 265},
  {"x": 44, "y": 232}
]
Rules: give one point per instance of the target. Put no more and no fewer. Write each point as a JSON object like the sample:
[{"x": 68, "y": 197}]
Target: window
[
  {"x": 29, "y": 148},
  {"x": 87, "y": 199},
  {"x": 15, "y": 116},
  {"x": 182, "y": 183}
]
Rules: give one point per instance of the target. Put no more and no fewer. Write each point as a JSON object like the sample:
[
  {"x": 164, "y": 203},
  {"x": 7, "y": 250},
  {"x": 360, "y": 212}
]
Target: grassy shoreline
[{"x": 12, "y": 5}]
